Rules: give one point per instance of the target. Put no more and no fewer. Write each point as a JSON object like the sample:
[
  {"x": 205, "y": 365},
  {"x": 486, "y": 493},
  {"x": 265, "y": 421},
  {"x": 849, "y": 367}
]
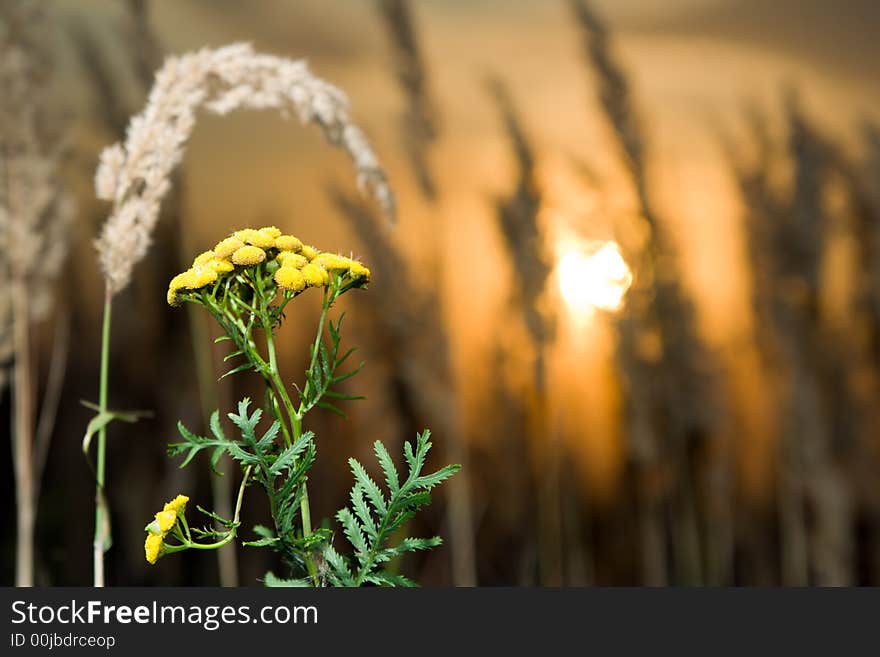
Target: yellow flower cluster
[
  {"x": 301, "y": 265},
  {"x": 163, "y": 523}
]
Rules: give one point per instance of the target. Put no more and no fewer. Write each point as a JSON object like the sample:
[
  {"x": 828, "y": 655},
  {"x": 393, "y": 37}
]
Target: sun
[{"x": 592, "y": 276}]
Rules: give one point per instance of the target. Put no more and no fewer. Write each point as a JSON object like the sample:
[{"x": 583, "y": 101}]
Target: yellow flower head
[
  {"x": 295, "y": 260},
  {"x": 309, "y": 251},
  {"x": 227, "y": 247},
  {"x": 315, "y": 276},
  {"x": 201, "y": 276},
  {"x": 271, "y": 231},
  {"x": 288, "y": 243},
  {"x": 220, "y": 266},
  {"x": 203, "y": 259},
  {"x": 333, "y": 262},
  {"x": 153, "y": 547},
  {"x": 256, "y": 238},
  {"x": 177, "y": 505},
  {"x": 184, "y": 281},
  {"x": 166, "y": 520},
  {"x": 357, "y": 270},
  {"x": 290, "y": 278},
  {"x": 248, "y": 255}
]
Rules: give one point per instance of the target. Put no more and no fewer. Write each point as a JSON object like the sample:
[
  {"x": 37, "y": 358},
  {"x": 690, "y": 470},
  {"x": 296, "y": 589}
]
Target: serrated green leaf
[
  {"x": 216, "y": 427},
  {"x": 384, "y": 458},
  {"x": 371, "y": 490},
  {"x": 362, "y": 511},
  {"x": 340, "y": 574},
  {"x": 270, "y": 580},
  {"x": 262, "y": 542},
  {"x": 429, "y": 481},
  {"x": 354, "y": 533}
]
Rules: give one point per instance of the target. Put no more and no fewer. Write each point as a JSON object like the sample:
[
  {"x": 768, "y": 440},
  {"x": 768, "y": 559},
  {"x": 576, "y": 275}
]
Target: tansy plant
[{"x": 246, "y": 282}]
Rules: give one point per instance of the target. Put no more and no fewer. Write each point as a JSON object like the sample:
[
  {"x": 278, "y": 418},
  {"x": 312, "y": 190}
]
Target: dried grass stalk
[
  {"x": 670, "y": 390},
  {"x": 419, "y": 122},
  {"x": 35, "y": 213}
]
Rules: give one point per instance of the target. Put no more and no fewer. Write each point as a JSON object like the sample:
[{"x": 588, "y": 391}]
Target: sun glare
[{"x": 592, "y": 276}]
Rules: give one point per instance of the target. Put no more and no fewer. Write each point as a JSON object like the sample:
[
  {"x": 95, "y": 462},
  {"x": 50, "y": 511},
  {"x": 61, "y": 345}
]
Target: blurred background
[{"x": 634, "y": 287}]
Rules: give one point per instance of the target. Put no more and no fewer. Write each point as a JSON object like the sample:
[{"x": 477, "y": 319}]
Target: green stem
[
  {"x": 295, "y": 419},
  {"x": 102, "y": 519},
  {"x": 231, "y": 534}
]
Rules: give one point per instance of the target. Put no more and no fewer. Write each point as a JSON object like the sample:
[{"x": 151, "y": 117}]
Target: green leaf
[
  {"x": 354, "y": 533},
  {"x": 369, "y": 487},
  {"x": 235, "y": 370},
  {"x": 362, "y": 511},
  {"x": 390, "y": 579},
  {"x": 384, "y": 458},
  {"x": 288, "y": 456},
  {"x": 271, "y": 580},
  {"x": 216, "y": 428},
  {"x": 429, "y": 481},
  {"x": 265, "y": 532},
  {"x": 340, "y": 573},
  {"x": 105, "y": 417}
]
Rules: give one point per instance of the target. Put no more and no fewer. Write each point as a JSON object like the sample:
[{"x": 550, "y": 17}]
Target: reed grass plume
[
  {"x": 518, "y": 218},
  {"x": 35, "y": 216},
  {"x": 419, "y": 124},
  {"x": 789, "y": 228},
  {"x": 668, "y": 373},
  {"x": 135, "y": 175}
]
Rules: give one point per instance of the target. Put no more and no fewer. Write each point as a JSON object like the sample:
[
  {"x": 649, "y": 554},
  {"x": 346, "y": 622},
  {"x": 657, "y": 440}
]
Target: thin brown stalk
[
  {"x": 521, "y": 231},
  {"x": 22, "y": 431},
  {"x": 419, "y": 121},
  {"x": 52, "y": 394}
]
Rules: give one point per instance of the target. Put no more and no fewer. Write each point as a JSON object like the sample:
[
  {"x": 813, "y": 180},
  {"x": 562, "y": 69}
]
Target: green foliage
[
  {"x": 371, "y": 520},
  {"x": 282, "y": 472},
  {"x": 278, "y": 459},
  {"x": 322, "y": 373}
]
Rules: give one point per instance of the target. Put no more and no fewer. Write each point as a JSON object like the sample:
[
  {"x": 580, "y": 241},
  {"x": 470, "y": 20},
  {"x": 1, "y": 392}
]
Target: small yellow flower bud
[
  {"x": 203, "y": 259},
  {"x": 153, "y": 547},
  {"x": 309, "y": 251},
  {"x": 220, "y": 266},
  {"x": 331, "y": 261},
  {"x": 227, "y": 247},
  {"x": 248, "y": 255},
  {"x": 359, "y": 271},
  {"x": 271, "y": 231},
  {"x": 201, "y": 276},
  {"x": 177, "y": 505},
  {"x": 166, "y": 520},
  {"x": 288, "y": 243},
  {"x": 290, "y": 278},
  {"x": 255, "y": 238},
  {"x": 315, "y": 276},
  {"x": 295, "y": 260}
]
